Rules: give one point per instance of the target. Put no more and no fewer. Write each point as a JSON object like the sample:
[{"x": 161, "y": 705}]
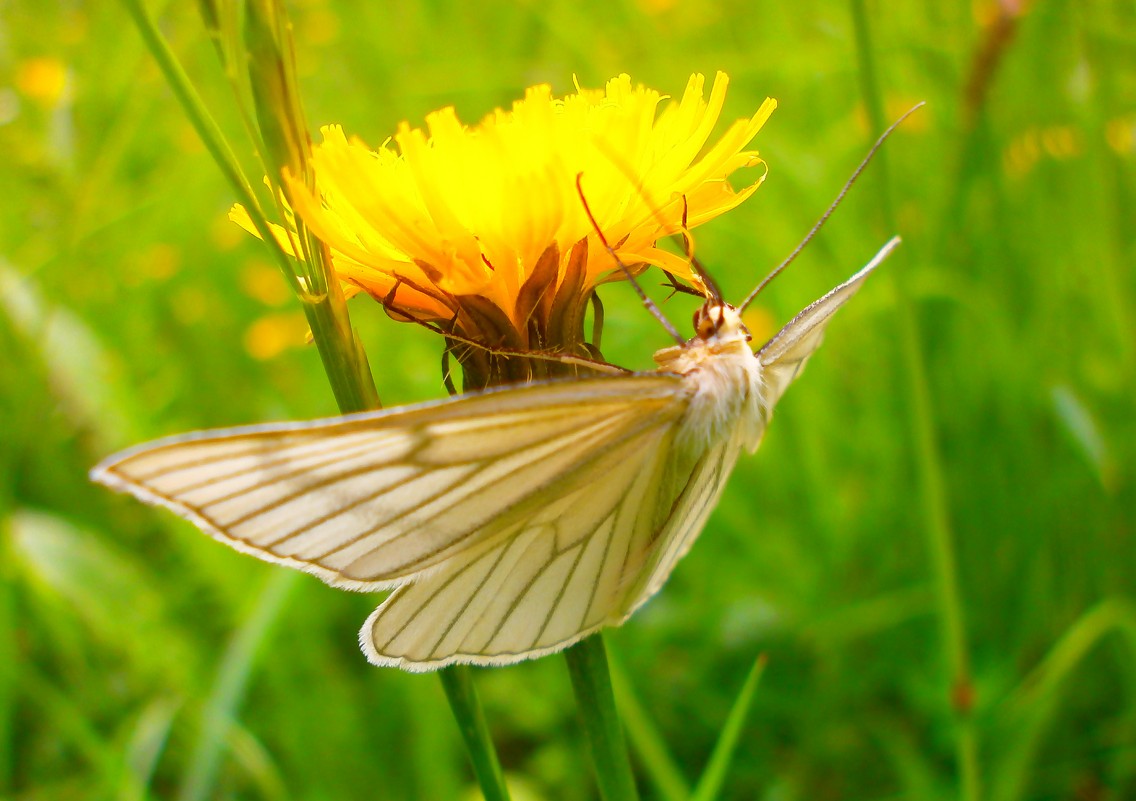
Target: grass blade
[
  {"x": 1032, "y": 704},
  {"x": 229, "y": 686},
  {"x": 714, "y": 777},
  {"x": 932, "y": 484},
  {"x": 145, "y": 747},
  {"x": 646, "y": 739}
]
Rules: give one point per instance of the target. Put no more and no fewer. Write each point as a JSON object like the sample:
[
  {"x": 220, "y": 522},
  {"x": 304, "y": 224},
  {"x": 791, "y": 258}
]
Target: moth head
[{"x": 716, "y": 320}]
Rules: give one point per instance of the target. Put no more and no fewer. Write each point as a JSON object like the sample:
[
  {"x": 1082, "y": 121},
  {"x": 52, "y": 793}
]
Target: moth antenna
[
  {"x": 828, "y": 212},
  {"x": 647, "y": 302},
  {"x": 711, "y": 288}
]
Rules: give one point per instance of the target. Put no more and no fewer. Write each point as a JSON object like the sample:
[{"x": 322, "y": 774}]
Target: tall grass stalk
[
  {"x": 343, "y": 359},
  {"x": 206, "y": 127},
  {"x": 933, "y": 496}
]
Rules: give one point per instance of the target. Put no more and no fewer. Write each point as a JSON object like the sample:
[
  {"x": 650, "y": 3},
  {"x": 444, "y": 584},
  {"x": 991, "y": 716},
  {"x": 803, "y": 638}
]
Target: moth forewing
[
  {"x": 367, "y": 501},
  {"x": 784, "y": 356}
]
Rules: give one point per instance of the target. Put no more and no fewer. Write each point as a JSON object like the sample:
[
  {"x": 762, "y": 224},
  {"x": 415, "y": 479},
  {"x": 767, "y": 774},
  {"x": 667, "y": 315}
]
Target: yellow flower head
[{"x": 482, "y": 228}]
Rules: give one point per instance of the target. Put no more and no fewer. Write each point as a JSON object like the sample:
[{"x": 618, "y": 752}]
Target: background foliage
[{"x": 140, "y": 660}]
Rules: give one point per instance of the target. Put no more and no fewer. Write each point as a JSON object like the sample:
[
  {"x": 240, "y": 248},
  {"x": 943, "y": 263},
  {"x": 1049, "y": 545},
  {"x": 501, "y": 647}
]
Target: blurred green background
[{"x": 140, "y": 660}]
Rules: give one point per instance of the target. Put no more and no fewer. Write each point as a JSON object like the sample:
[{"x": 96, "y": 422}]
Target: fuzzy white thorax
[{"x": 723, "y": 377}]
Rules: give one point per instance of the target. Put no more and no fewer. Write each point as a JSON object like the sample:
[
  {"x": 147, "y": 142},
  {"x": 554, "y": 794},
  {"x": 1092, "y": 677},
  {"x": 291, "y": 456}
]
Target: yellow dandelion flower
[{"x": 482, "y": 227}]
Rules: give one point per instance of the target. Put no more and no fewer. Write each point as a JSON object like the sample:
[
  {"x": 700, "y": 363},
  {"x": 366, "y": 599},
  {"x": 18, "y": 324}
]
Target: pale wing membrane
[
  {"x": 566, "y": 570},
  {"x": 586, "y": 561},
  {"x": 784, "y": 356},
  {"x": 369, "y": 500},
  {"x": 689, "y": 513}
]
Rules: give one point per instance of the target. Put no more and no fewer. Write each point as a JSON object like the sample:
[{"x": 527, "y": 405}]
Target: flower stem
[
  {"x": 206, "y": 127},
  {"x": 457, "y": 681},
  {"x": 345, "y": 364},
  {"x": 591, "y": 680},
  {"x": 936, "y": 517},
  {"x": 343, "y": 359}
]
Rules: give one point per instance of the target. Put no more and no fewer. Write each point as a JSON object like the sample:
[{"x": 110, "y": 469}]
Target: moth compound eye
[{"x": 707, "y": 320}]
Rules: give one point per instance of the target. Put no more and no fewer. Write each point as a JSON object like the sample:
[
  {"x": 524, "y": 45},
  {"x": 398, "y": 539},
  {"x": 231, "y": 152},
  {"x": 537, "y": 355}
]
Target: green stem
[
  {"x": 327, "y": 313},
  {"x": 936, "y": 518},
  {"x": 462, "y": 695},
  {"x": 207, "y": 129},
  {"x": 344, "y": 363},
  {"x": 587, "y": 665},
  {"x": 343, "y": 359}
]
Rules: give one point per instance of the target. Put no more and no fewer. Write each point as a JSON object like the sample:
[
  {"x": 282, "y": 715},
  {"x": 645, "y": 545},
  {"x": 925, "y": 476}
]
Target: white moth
[{"x": 510, "y": 523}]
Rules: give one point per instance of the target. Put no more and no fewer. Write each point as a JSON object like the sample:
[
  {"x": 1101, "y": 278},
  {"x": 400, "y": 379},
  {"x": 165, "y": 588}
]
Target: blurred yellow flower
[
  {"x": 482, "y": 227},
  {"x": 272, "y": 334},
  {"x": 42, "y": 79}
]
